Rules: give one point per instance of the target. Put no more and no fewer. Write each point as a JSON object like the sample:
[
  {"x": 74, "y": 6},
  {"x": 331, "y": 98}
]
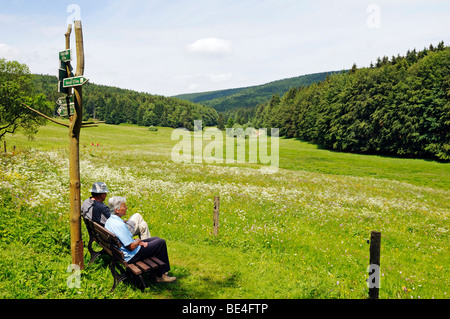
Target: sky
[{"x": 170, "y": 47}]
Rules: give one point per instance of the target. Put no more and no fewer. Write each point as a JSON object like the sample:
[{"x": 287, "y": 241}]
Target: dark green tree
[
  {"x": 230, "y": 122},
  {"x": 221, "y": 122}
]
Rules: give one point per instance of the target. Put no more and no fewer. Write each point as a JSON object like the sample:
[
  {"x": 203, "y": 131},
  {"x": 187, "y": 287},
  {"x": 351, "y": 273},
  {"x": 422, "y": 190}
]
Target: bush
[{"x": 153, "y": 129}]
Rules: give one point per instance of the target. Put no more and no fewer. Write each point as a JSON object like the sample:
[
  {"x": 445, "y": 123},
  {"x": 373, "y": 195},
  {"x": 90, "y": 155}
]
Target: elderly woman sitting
[{"x": 136, "y": 249}]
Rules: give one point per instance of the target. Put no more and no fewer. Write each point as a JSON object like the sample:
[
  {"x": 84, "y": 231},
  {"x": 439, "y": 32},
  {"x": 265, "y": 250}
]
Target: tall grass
[{"x": 299, "y": 233}]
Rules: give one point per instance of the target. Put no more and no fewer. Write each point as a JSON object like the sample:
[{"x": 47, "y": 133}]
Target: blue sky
[{"x": 170, "y": 47}]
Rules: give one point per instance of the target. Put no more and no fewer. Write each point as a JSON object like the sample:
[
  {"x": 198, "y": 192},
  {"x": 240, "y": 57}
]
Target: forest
[
  {"x": 398, "y": 107},
  {"x": 231, "y": 100},
  {"x": 115, "y": 105}
]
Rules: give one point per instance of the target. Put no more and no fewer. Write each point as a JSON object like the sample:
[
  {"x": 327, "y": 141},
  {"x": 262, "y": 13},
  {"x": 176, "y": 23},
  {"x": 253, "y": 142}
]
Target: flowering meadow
[{"x": 299, "y": 233}]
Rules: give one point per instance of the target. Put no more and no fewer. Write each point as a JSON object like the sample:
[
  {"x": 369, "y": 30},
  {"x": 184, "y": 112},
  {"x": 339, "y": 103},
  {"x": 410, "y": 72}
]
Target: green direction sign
[
  {"x": 76, "y": 81},
  {"x": 63, "y": 102},
  {"x": 62, "y": 110},
  {"x": 65, "y": 55}
]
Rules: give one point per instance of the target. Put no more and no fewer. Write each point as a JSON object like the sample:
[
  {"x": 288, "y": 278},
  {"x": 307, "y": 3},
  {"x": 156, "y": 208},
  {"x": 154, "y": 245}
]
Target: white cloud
[
  {"x": 193, "y": 87},
  {"x": 10, "y": 53},
  {"x": 220, "y": 77},
  {"x": 211, "y": 47}
]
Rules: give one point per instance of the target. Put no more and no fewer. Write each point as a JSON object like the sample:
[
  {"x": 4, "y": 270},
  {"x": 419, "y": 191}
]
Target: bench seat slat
[
  {"x": 143, "y": 266},
  {"x": 157, "y": 261},
  {"x": 135, "y": 270},
  {"x": 151, "y": 263}
]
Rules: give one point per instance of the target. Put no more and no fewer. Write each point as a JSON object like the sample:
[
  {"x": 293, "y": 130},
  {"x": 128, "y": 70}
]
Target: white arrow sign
[
  {"x": 76, "y": 81},
  {"x": 63, "y": 102}
]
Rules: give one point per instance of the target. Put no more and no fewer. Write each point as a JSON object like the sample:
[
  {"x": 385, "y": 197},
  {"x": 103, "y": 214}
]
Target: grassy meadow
[{"x": 299, "y": 233}]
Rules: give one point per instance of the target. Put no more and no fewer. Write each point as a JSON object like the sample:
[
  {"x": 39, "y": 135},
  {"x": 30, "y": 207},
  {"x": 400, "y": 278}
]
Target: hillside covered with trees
[
  {"x": 399, "y": 106},
  {"x": 228, "y": 101},
  {"x": 115, "y": 105}
]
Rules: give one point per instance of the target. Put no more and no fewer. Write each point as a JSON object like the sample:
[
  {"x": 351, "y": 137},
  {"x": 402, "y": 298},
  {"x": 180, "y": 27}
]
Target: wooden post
[
  {"x": 76, "y": 243},
  {"x": 374, "y": 272},
  {"x": 75, "y": 125},
  {"x": 67, "y": 35},
  {"x": 216, "y": 215}
]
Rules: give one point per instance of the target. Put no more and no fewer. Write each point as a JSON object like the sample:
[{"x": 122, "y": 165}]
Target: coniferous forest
[
  {"x": 399, "y": 106},
  {"x": 115, "y": 105}
]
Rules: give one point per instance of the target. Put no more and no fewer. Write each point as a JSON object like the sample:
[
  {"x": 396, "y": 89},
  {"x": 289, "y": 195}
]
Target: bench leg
[
  {"x": 94, "y": 254},
  {"x": 124, "y": 274},
  {"x": 118, "y": 278},
  {"x": 141, "y": 282}
]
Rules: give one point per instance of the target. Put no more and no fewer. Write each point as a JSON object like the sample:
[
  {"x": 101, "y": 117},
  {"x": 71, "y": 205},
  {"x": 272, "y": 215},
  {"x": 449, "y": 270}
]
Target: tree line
[
  {"x": 115, "y": 105},
  {"x": 399, "y": 106},
  {"x": 238, "y": 99}
]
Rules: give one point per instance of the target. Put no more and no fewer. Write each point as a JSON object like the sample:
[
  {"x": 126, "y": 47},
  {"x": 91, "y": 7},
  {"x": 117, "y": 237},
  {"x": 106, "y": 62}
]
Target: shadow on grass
[
  {"x": 190, "y": 286},
  {"x": 187, "y": 285}
]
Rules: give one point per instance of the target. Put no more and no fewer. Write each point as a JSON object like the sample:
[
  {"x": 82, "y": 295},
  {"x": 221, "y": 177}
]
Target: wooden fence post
[
  {"x": 216, "y": 215},
  {"x": 374, "y": 268}
]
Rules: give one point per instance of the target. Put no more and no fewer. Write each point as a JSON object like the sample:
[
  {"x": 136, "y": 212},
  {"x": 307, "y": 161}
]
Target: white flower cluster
[
  {"x": 44, "y": 176},
  {"x": 36, "y": 178}
]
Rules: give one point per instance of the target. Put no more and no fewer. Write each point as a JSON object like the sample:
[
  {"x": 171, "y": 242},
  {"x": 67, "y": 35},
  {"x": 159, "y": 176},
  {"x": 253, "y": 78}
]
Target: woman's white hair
[{"x": 115, "y": 202}]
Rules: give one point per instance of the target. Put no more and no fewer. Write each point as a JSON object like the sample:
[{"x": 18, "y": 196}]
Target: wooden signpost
[
  {"x": 72, "y": 106},
  {"x": 76, "y": 242}
]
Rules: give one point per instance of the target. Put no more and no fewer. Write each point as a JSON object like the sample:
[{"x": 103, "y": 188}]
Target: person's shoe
[{"x": 165, "y": 278}]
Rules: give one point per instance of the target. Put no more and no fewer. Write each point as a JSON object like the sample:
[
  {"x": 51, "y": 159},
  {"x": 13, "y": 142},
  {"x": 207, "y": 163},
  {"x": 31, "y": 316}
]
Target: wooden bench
[{"x": 110, "y": 245}]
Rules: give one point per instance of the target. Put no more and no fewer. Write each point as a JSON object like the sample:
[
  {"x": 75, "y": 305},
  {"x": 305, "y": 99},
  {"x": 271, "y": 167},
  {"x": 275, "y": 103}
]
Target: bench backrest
[{"x": 107, "y": 240}]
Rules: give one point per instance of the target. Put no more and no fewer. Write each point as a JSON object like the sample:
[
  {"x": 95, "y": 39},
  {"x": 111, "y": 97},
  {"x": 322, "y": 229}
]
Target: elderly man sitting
[
  {"x": 136, "y": 249},
  {"x": 95, "y": 209}
]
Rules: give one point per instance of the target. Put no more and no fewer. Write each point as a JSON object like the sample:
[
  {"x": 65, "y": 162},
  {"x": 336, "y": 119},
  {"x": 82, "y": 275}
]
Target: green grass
[
  {"x": 299, "y": 233},
  {"x": 306, "y": 156}
]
